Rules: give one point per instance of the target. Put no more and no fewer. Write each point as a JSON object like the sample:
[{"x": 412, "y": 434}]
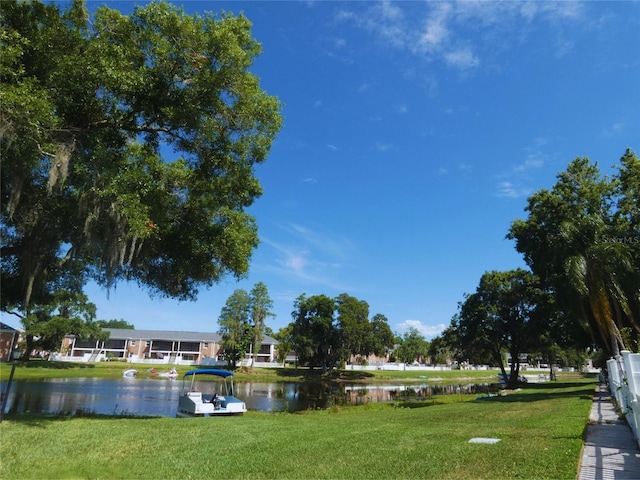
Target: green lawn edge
[
  {"x": 541, "y": 429},
  {"x": 41, "y": 369}
]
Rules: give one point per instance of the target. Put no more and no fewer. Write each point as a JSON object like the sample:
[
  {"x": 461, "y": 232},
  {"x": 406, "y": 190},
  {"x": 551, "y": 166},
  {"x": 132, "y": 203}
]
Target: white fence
[
  {"x": 413, "y": 366},
  {"x": 624, "y": 384},
  {"x": 101, "y": 357}
]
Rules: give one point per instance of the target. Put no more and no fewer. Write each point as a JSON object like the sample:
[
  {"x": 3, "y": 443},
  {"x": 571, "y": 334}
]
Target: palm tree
[
  {"x": 595, "y": 266},
  {"x": 593, "y": 275},
  {"x": 566, "y": 241},
  {"x": 261, "y": 305}
]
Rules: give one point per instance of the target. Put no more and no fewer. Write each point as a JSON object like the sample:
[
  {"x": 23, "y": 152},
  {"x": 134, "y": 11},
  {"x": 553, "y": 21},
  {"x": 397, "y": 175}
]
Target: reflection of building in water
[
  {"x": 361, "y": 394},
  {"x": 266, "y": 390}
]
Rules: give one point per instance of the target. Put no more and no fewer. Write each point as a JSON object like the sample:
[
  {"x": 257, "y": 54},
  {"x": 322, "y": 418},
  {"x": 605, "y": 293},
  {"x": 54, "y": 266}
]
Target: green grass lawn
[{"x": 541, "y": 430}]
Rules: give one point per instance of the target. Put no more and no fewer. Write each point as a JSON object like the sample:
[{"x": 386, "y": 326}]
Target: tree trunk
[
  {"x": 30, "y": 345},
  {"x": 498, "y": 357},
  {"x": 552, "y": 373},
  {"x": 515, "y": 373}
]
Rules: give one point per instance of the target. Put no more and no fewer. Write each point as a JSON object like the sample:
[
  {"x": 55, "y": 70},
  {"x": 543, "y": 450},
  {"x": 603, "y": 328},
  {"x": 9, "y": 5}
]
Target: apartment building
[{"x": 157, "y": 346}]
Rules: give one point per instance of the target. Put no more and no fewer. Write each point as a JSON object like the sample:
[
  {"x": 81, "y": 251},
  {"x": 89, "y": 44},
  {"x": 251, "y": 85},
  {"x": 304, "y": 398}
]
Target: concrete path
[{"x": 610, "y": 451}]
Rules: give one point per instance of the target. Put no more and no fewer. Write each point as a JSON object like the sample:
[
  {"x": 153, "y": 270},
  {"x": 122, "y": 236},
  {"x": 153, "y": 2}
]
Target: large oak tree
[
  {"x": 128, "y": 149},
  {"x": 326, "y": 331},
  {"x": 505, "y": 314}
]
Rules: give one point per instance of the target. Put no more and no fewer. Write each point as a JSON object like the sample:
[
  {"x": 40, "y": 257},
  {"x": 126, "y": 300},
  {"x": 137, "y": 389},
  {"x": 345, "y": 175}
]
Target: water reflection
[
  {"x": 159, "y": 397},
  {"x": 126, "y": 396},
  {"x": 360, "y": 394}
]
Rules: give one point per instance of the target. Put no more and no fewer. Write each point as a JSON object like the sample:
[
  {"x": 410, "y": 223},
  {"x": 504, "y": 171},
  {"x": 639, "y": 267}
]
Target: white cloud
[
  {"x": 433, "y": 36},
  {"x": 338, "y": 42},
  {"x": 389, "y": 23},
  {"x": 390, "y": 11},
  {"x": 312, "y": 257},
  {"x": 513, "y": 183},
  {"x": 562, "y": 10},
  {"x": 458, "y": 33},
  {"x": 563, "y": 47},
  {"x": 382, "y": 147},
  {"x": 506, "y": 189},
  {"x": 464, "y": 168},
  {"x": 509, "y": 190},
  {"x": 463, "y": 58},
  {"x": 384, "y": 19},
  {"x": 304, "y": 263},
  {"x": 327, "y": 243},
  {"x": 296, "y": 261},
  {"x": 288, "y": 296},
  {"x": 533, "y": 160},
  {"x": 612, "y": 129},
  {"x": 427, "y": 331},
  {"x": 435, "y": 31},
  {"x": 365, "y": 86}
]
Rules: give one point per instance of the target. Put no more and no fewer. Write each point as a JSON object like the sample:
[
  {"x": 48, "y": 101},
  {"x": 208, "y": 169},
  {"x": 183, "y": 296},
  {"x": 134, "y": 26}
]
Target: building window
[
  {"x": 206, "y": 344},
  {"x": 132, "y": 343}
]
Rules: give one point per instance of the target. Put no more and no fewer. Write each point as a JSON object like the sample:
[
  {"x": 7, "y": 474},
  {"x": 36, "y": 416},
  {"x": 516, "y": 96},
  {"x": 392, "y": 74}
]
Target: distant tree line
[{"x": 325, "y": 332}]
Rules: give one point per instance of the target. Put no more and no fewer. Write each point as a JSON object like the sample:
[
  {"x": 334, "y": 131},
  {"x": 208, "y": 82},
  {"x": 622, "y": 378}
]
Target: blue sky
[{"x": 413, "y": 134}]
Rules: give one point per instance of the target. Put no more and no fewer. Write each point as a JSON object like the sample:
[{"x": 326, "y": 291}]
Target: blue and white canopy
[{"x": 209, "y": 371}]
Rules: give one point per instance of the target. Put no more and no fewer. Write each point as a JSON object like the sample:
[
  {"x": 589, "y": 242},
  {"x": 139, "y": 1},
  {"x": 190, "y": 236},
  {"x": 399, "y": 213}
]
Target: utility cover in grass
[{"x": 484, "y": 440}]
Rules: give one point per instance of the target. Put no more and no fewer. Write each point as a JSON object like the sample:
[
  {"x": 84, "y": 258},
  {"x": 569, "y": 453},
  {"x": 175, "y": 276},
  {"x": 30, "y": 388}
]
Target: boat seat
[{"x": 195, "y": 396}]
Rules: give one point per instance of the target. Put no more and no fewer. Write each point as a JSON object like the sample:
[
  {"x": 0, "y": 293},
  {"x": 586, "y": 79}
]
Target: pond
[{"x": 159, "y": 397}]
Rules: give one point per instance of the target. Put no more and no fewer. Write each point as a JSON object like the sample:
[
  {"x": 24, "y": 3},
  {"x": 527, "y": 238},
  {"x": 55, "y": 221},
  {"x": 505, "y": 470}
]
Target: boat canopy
[{"x": 209, "y": 371}]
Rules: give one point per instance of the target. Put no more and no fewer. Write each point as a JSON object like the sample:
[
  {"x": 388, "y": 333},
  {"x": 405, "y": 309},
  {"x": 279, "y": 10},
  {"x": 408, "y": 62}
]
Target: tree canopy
[
  {"x": 503, "y": 314},
  {"x": 66, "y": 313},
  {"x": 128, "y": 150},
  {"x": 235, "y": 328},
  {"x": 582, "y": 239},
  {"x": 411, "y": 347},
  {"x": 261, "y": 305},
  {"x": 326, "y": 331},
  {"x": 242, "y": 324},
  {"x": 314, "y": 333},
  {"x": 115, "y": 324}
]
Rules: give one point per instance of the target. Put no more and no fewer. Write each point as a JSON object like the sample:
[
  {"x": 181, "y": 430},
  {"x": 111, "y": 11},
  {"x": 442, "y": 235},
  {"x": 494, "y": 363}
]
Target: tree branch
[{"x": 11, "y": 312}]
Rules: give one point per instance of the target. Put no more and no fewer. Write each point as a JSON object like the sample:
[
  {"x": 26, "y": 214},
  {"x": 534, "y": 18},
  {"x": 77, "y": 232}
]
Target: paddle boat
[
  {"x": 173, "y": 373},
  {"x": 129, "y": 373},
  {"x": 195, "y": 403}
]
